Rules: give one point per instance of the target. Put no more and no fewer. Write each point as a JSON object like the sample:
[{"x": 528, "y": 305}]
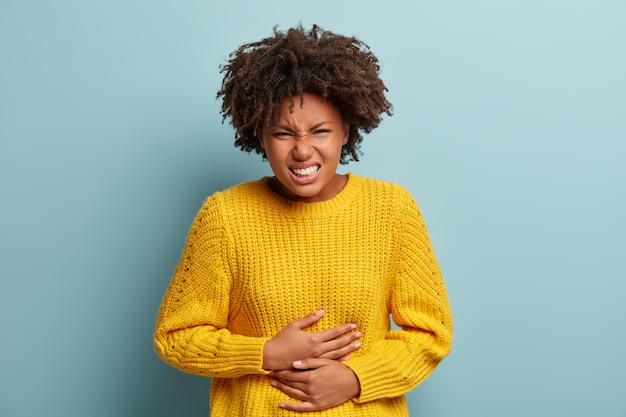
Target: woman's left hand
[{"x": 318, "y": 383}]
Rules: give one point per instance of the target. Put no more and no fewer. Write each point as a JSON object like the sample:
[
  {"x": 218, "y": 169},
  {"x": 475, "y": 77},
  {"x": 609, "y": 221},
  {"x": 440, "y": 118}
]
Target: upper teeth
[{"x": 306, "y": 171}]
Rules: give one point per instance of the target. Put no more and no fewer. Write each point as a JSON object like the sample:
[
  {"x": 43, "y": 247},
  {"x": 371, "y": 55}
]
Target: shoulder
[
  {"x": 237, "y": 194},
  {"x": 221, "y": 205},
  {"x": 383, "y": 190},
  {"x": 392, "y": 201}
]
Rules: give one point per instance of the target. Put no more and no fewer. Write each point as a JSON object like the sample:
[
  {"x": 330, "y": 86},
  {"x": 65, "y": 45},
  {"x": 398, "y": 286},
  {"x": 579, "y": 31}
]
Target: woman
[{"x": 284, "y": 291}]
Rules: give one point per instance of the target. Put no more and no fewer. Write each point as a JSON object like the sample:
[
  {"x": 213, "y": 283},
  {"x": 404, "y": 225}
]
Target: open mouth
[{"x": 306, "y": 171}]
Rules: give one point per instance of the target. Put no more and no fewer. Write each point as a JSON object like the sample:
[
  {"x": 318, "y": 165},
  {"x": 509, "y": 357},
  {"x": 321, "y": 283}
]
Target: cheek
[
  {"x": 336, "y": 148},
  {"x": 276, "y": 150}
]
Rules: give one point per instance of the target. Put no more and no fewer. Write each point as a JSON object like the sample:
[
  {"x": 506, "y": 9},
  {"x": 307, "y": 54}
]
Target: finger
[
  {"x": 311, "y": 363},
  {"x": 308, "y": 320},
  {"x": 342, "y": 341},
  {"x": 293, "y": 392},
  {"x": 302, "y": 407},
  {"x": 290, "y": 377},
  {"x": 340, "y": 347},
  {"x": 336, "y": 332},
  {"x": 342, "y": 353}
]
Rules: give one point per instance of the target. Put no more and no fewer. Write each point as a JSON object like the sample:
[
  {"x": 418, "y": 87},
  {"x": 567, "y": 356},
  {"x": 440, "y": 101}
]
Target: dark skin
[
  {"x": 318, "y": 383},
  {"x": 260, "y": 79},
  {"x": 308, "y": 366},
  {"x": 339, "y": 68},
  {"x": 321, "y": 380}
]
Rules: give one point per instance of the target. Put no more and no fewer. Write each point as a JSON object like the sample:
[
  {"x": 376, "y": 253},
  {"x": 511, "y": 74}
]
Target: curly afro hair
[{"x": 341, "y": 69}]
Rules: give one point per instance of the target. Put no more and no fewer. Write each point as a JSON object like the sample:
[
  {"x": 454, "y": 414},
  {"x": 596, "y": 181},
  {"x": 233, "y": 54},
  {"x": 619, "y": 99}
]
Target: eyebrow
[{"x": 289, "y": 129}]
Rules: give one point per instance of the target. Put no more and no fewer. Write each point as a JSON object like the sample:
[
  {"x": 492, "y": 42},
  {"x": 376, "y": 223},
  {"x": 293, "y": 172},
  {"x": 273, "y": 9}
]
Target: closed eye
[
  {"x": 283, "y": 135},
  {"x": 286, "y": 134}
]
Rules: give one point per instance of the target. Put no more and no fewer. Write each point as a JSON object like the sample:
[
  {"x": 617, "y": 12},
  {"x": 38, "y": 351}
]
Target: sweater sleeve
[
  {"x": 419, "y": 307},
  {"x": 192, "y": 324}
]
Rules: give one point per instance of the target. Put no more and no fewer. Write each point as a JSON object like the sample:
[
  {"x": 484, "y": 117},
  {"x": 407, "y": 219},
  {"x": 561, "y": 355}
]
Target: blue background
[{"x": 509, "y": 129}]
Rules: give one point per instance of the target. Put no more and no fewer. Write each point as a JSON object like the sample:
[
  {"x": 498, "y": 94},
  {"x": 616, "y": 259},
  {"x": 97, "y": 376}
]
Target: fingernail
[
  {"x": 273, "y": 383},
  {"x": 353, "y": 326},
  {"x": 358, "y": 334},
  {"x": 319, "y": 312},
  {"x": 357, "y": 345},
  {"x": 297, "y": 363}
]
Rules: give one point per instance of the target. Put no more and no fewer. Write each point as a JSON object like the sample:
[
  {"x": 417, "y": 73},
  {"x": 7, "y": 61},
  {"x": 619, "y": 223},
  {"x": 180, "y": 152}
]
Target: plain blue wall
[{"x": 509, "y": 129}]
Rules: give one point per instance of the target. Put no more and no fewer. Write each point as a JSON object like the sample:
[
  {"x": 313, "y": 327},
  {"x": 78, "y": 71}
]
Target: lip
[{"x": 305, "y": 179}]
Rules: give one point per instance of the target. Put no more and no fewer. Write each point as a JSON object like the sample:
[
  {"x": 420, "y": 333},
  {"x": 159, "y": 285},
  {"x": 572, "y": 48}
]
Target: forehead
[{"x": 308, "y": 107}]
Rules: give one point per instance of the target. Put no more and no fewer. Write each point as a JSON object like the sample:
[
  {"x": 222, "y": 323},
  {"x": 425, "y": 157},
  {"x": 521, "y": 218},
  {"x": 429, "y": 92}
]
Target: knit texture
[{"x": 254, "y": 262}]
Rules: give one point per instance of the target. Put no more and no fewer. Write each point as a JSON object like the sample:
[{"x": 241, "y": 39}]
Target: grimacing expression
[{"x": 303, "y": 149}]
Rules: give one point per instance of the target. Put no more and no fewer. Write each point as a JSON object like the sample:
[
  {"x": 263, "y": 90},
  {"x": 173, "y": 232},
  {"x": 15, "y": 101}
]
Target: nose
[{"x": 302, "y": 149}]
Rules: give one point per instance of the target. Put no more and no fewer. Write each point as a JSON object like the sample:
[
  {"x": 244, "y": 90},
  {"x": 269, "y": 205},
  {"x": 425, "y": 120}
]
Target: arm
[
  {"x": 404, "y": 358},
  {"x": 192, "y": 325},
  {"x": 419, "y": 306}
]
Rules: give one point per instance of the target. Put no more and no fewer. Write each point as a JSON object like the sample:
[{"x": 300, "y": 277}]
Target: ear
[{"x": 346, "y": 133}]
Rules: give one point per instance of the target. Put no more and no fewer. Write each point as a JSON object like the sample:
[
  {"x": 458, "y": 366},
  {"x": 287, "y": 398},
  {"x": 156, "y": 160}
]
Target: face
[{"x": 304, "y": 149}]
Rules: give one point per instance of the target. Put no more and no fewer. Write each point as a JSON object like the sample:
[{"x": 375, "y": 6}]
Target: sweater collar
[{"x": 328, "y": 207}]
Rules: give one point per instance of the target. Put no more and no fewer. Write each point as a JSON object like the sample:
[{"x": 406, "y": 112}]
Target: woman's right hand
[{"x": 292, "y": 343}]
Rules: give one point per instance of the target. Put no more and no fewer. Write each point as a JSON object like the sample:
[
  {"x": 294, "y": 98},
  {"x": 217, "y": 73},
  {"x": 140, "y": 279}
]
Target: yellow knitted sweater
[{"x": 254, "y": 262}]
